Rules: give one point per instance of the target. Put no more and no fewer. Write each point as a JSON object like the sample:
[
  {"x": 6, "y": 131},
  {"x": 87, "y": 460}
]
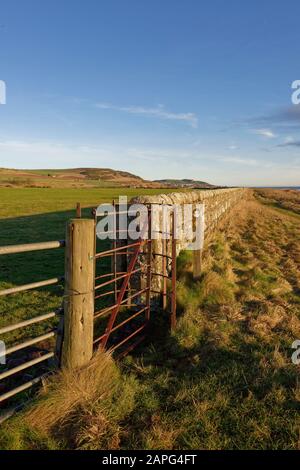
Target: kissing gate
[
  {"x": 128, "y": 289},
  {"x": 112, "y": 289}
]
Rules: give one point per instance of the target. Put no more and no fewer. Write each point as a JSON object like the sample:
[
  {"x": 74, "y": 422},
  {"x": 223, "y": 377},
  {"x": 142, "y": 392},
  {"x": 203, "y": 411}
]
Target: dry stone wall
[{"x": 216, "y": 203}]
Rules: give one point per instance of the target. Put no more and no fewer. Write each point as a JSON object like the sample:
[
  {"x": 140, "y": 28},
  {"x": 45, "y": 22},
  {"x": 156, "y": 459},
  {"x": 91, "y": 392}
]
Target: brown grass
[
  {"x": 285, "y": 198},
  {"x": 223, "y": 379},
  {"x": 69, "y": 390},
  {"x": 78, "y": 408}
]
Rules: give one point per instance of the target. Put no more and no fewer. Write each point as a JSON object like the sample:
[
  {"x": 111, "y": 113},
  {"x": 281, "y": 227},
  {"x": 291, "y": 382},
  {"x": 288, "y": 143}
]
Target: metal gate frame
[{"x": 122, "y": 294}]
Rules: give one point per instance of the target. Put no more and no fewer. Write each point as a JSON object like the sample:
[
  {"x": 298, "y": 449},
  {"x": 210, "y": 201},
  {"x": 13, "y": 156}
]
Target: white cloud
[
  {"x": 41, "y": 154},
  {"x": 250, "y": 162},
  {"x": 48, "y": 154},
  {"x": 268, "y": 133},
  {"x": 159, "y": 112},
  {"x": 240, "y": 161},
  {"x": 289, "y": 139},
  {"x": 150, "y": 162}
]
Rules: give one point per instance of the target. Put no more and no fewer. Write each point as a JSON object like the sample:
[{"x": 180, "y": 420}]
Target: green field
[
  {"x": 20, "y": 202},
  {"x": 29, "y": 215},
  {"x": 223, "y": 379}
]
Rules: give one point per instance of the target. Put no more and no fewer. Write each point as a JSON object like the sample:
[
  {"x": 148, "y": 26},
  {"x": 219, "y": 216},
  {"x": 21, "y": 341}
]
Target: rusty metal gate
[{"x": 125, "y": 297}]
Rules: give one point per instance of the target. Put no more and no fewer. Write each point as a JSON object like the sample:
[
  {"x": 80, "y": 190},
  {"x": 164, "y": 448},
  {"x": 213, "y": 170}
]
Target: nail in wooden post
[{"x": 79, "y": 293}]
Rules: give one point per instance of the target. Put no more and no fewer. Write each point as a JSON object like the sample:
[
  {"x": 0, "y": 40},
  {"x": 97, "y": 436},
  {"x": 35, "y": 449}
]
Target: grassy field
[
  {"x": 29, "y": 215},
  {"x": 71, "y": 178},
  {"x": 223, "y": 380},
  {"x": 289, "y": 199},
  {"x": 20, "y": 202}
]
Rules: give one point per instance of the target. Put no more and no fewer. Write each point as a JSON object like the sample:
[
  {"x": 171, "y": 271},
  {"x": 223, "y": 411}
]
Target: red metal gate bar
[
  {"x": 124, "y": 276},
  {"x": 174, "y": 254},
  {"x": 110, "y": 252},
  {"x": 114, "y": 260},
  {"x": 128, "y": 337},
  {"x": 164, "y": 271},
  {"x": 125, "y": 283},
  {"x": 149, "y": 276},
  {"x": 121, "y": 294},
  {"x": 107, "y": 309},
  {"x": 122, "y": 323},
  {"x": 102, "y": 276},
  {"x": 132, "y": 251},
  {"x": 131, "y": 347}
]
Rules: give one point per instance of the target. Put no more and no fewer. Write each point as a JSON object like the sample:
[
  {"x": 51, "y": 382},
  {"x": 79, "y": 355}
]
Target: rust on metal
[
  {"x": 173, "y": 294},
  {"x": 123, "y": 298}
]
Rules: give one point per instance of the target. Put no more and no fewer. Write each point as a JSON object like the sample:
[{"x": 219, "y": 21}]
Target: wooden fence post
[
  {"x": 78, "y": 210},
  {"x": 197, "y": 264},
  {"x": 79, "y": 293},
  {"x": 197, "y": 254}
]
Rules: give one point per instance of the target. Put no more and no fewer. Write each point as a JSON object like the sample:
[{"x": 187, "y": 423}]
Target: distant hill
[
  {"x": 73, "y": 177},
  {"x": 88, "y": 177},
  {"x": 185, "y": 183}
]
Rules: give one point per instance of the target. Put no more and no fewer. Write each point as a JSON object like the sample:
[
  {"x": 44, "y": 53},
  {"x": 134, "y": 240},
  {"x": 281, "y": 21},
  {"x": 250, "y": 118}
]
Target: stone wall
[{"x": 216, "y": 203}]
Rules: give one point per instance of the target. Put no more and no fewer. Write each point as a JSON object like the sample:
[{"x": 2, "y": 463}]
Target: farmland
[
  {"x": 29, "y": 215},
  {"x": 289, "y": 199},
  {"x": 222, "y": 380}
]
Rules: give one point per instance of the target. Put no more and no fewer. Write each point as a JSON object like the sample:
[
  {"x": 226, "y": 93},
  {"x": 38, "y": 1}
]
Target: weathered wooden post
[
  {"x": 79, "y": 293},
  {"x": 197, "y": 254},
  {"x": 78, "y": 210},
  {"x": 197, "y": 264}
]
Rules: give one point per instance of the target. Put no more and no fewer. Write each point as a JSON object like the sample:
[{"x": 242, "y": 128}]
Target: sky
[{"x": 163, "y": 89}]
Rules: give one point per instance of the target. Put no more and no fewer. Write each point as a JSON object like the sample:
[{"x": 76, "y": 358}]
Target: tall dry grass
[
  {"x": 77, "y": 409},
  {"x": 285, "y": 198},
  {"x": 223, "y": 379},
  {"x": 68, "y": 391}
]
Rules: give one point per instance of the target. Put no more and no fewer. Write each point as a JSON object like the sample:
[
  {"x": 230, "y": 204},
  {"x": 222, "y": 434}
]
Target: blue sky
[{"x": 164, "y": 89}]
